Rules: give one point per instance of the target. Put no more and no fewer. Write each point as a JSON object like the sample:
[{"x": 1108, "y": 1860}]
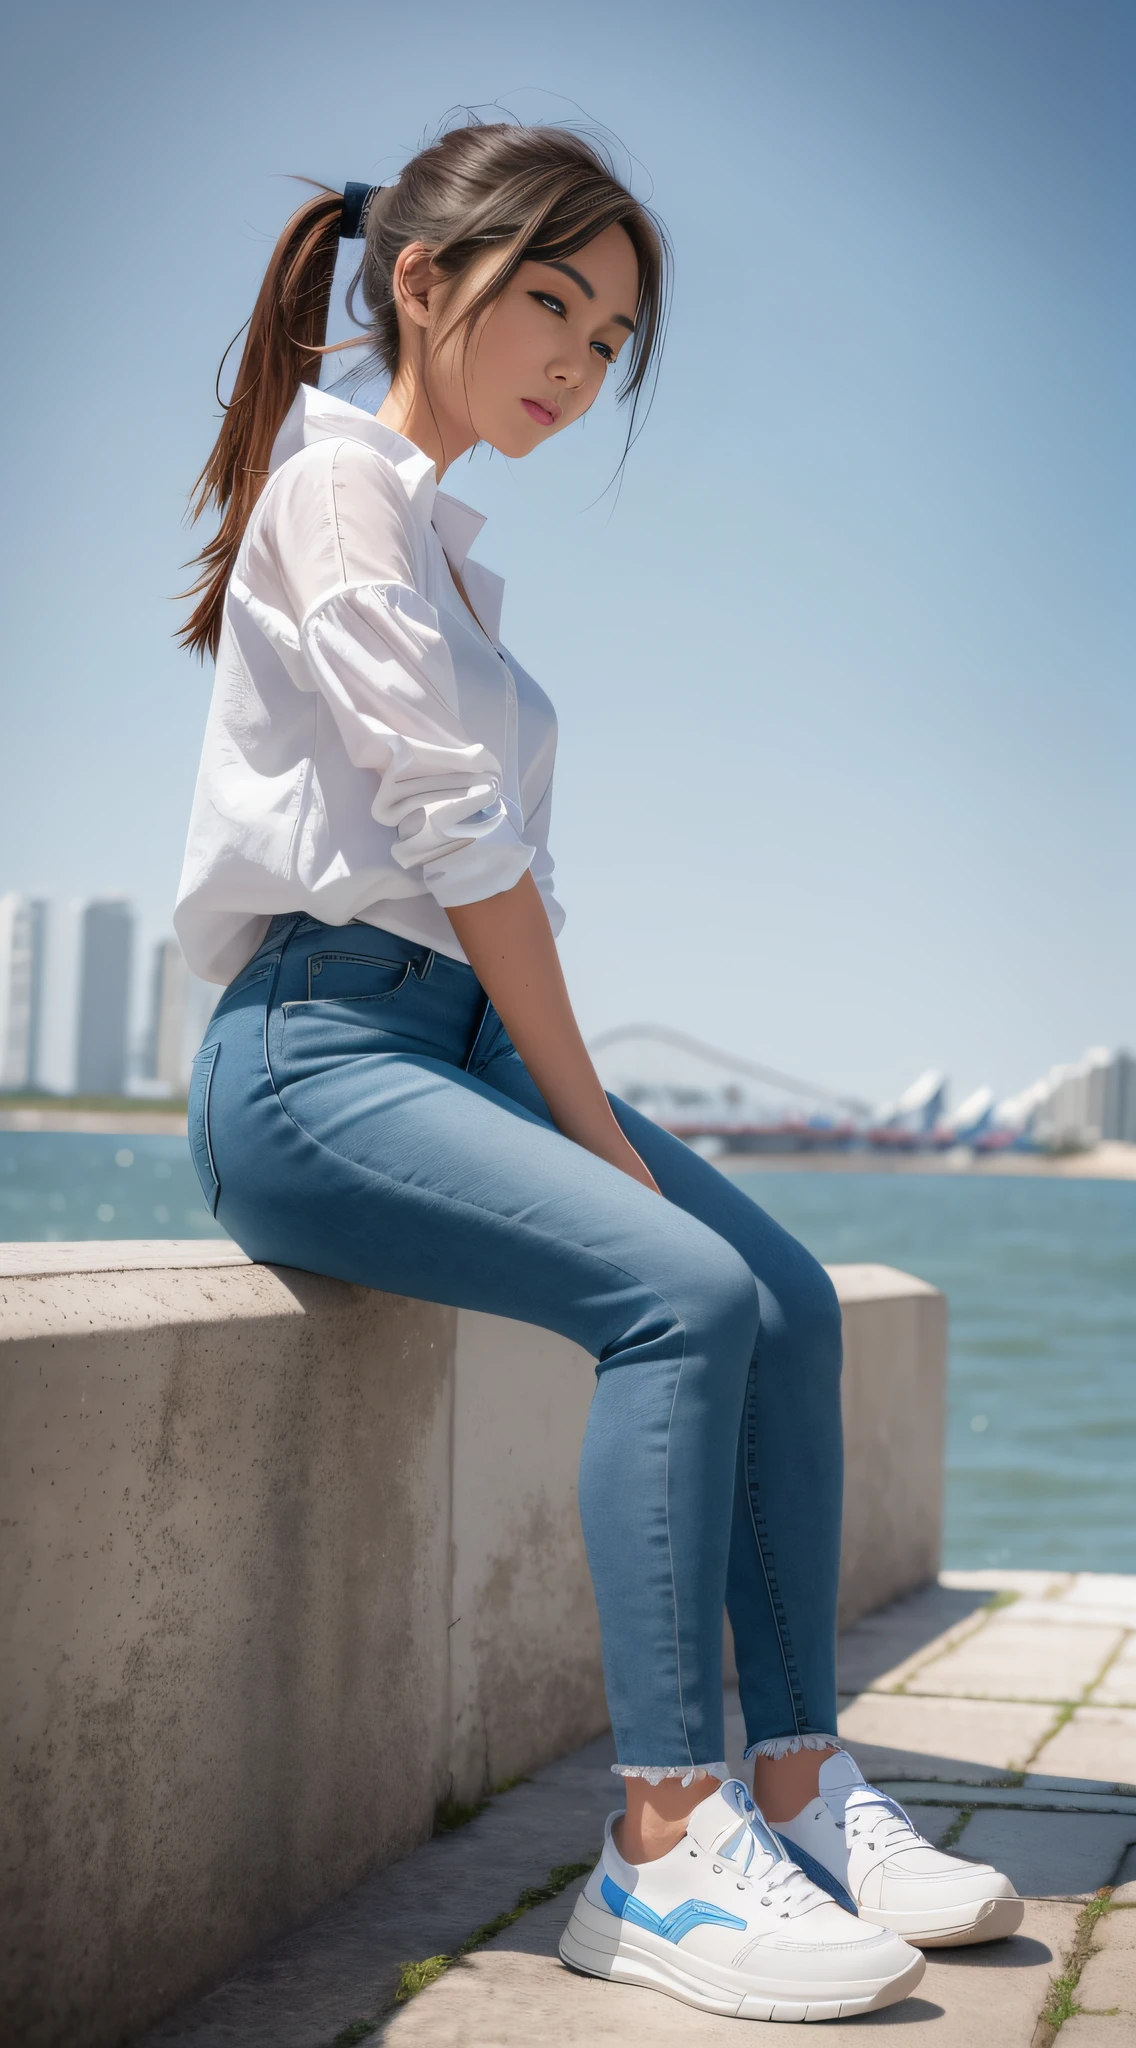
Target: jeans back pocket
[
  {"x": 351, "y": 978},
  {"x": 200, "y": 1140}
]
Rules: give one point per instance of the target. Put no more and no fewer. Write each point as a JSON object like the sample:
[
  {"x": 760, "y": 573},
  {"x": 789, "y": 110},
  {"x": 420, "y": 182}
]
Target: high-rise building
[
  {"x": 23, "y": 946},
  {"x": 164, "y": 1055},
  {"x": 1119, "y": 1113},
  {"x": 106, "y": 955},
  {"x": 1087, "y": 1100},
  {"x": 179, "y": 1009}
]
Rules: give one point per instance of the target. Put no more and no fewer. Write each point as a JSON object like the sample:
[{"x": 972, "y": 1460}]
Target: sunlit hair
[{"x": 531, "y": 194}]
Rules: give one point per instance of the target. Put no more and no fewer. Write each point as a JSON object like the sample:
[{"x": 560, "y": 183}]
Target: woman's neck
[{"x": 407, "y": 409}]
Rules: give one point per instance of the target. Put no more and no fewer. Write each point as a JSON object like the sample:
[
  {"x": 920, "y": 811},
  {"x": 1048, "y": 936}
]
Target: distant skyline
[
  {"x": 83, "y": 1011},
  {"x": 844, "y": 671}
]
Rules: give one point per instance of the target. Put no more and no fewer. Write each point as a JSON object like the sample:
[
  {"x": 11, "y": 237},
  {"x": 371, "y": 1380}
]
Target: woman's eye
[{"x": 558, "y": 307}]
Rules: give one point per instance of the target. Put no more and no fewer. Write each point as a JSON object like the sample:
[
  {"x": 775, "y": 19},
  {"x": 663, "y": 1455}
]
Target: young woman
[{"x": 393, "y": 1088}]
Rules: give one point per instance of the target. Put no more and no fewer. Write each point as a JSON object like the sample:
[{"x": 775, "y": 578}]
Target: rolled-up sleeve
[
  {"x": 340, "y": 552},
  {"x": 378, "y": 657}
]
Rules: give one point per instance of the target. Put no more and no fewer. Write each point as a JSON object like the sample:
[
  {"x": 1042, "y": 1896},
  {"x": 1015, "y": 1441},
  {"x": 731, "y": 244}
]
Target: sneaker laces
[
  {"x": 877, "y": 1814},
  {"x": 782, "y": 1882}
]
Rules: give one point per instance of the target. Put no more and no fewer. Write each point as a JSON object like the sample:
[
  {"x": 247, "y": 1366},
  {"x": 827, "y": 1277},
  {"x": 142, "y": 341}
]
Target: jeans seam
[
  {"x": 270, "y": 993},
  {"x": 670, "y": 1546},
  {"x": 481, "y": 1023},
  {"x": 206, "y": 1090},
  {"x": 776, "y": 1607}
]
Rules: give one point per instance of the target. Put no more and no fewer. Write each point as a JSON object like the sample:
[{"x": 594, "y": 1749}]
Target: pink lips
[{"x": 544, "y": 415}]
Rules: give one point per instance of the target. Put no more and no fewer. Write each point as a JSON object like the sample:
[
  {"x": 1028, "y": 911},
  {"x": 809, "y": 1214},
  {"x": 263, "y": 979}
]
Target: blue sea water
[
  {"x": 63, "y": 1184},
  {"x": 1040, "y": 1276}
]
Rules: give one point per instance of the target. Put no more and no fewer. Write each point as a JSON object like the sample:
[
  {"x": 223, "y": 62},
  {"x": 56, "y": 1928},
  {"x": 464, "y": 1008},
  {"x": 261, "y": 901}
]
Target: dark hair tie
[{"x": 353, "y": 220}]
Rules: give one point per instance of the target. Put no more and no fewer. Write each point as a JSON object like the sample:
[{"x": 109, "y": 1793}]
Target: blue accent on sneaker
[
  {"x": 679, "y": 1921},
  {"x": 819, "y": 1874}
]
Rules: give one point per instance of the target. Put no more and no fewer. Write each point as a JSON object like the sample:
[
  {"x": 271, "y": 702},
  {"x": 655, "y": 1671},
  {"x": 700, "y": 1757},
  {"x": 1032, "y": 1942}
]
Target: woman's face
[{"x": 537, "y": 358}]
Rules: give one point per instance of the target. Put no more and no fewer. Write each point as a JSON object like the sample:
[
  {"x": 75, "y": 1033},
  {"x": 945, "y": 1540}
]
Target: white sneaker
[
  {"x": 862, "y": 1847},
  {"x": 725, "y": 1921}
]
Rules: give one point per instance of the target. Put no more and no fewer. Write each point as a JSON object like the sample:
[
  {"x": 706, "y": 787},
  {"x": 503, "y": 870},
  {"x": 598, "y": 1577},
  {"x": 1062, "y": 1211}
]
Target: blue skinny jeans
[{"x": 357, "y": 1109}]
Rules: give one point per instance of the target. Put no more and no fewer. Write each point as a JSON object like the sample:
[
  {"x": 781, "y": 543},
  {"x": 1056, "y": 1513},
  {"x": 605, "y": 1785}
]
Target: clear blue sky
[{"x": 844, "y": 677}]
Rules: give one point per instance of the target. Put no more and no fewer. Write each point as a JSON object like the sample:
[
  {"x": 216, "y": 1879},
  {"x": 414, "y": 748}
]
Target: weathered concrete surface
[
  {"x": 894, "y": 1400},
  {"x": 883, "y": 1649},
  {"x": 346, "y": 1965},
  {"x": 1050, "y": 1662},
  {"x": 1107, "y": 1990},
  {"x": 954, "y": 1740},
  {"x": 525, "y": 1676},
  {"x": 286, "y": 1563},
  {"x": 227, "y": 1502},
  {"x": 1071, "y": 1856},
  {"x": 1030, "y": 1683},
  {"x": 1118, "y": 1687},
  {"x": 1099, "y": 2030},
  {"x": 1098, "y": 1742}
]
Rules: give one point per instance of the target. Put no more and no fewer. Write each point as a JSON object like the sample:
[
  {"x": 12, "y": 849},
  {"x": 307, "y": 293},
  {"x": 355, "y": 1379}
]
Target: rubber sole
[
  {"x": 599, "y": 1945},
  {"x": 954, "y": 1926}
]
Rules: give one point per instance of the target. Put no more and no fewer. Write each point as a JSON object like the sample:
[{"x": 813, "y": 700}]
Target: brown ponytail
[
  {"x": 541, "y": 193},
  {"x": 286, "y": 337}
]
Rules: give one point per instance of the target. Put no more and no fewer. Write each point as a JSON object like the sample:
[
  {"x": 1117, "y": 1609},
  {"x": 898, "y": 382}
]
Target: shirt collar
[
  {"x": 316, "y": 415},
  {"x": 456, "y": 525},
  {"x": 486, "y": 591}
]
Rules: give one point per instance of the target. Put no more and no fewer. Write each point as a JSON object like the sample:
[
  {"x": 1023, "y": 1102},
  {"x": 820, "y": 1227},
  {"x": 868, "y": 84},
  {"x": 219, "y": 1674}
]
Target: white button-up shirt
[{"x": 371, "y": 752}]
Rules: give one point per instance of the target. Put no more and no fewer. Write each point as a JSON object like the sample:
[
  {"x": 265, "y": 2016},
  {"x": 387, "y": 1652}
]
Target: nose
[{"x": 569, "y": 375}]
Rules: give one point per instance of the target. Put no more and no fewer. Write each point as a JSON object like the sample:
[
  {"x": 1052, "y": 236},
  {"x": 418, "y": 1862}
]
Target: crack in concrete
[
  {"x": 957, "y": 1828},
  {"x": 1068, "y": 1708},
  {"x": 1060, "y": 2004}
]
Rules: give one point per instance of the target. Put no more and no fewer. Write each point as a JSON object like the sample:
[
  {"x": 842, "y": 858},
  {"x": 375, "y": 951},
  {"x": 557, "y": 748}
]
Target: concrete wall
[
  {"x": 285, "y": 1563},
  {"x": 894, "y": 1406}
]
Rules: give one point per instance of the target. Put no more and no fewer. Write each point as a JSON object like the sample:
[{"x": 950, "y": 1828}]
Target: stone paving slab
[
  {"x": 1098, "y": 2030},
  {"x": 1067, "y": 1855},
  {"x": 1062, "y": 1613},
  {"x": 1041, "y": 1781},
  {"x": 1099, "y": 1742},
  {"x": 1053, "y": 1795},
  {"x": 1118, "y": 1686},
  {"x": 1109, "y": 1976},
  {"x": 1092, "y": 1589},
  {"x": 902, "y": 1735},
  {"x": 1020, "y": 1660},
  {"x": 517, "y": 1993},
  {"x": 1038, "y": 1584},
  {"x": 882, "y": 1648}
]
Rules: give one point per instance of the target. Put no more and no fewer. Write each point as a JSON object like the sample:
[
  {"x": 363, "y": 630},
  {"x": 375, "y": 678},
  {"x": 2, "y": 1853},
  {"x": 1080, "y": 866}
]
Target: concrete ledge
[
  {"x": 287, "y": 1562},
  {"x": 894, "y": 1405}
]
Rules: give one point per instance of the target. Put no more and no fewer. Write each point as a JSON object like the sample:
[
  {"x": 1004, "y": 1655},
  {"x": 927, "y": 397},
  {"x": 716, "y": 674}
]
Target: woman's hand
[{"x": 508, "y": 942}]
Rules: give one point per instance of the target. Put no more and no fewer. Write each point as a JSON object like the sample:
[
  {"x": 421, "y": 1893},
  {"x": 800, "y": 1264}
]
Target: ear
[{"x": 413, "y": 280}]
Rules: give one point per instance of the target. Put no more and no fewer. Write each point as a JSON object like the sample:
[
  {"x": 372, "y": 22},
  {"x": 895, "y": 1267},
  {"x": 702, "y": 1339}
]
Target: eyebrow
[{"x": 577, "y": 277}]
